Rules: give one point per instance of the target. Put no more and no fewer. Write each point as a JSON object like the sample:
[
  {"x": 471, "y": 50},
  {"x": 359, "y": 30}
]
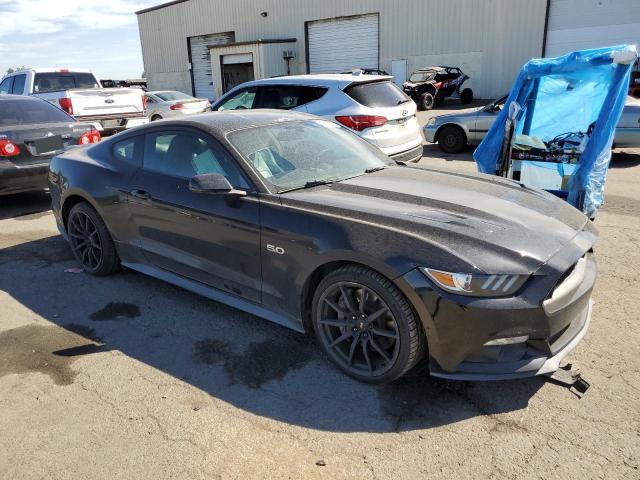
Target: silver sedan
[
  {"x": 172, "y": 104},
  {"x": 452, "y": 132}
]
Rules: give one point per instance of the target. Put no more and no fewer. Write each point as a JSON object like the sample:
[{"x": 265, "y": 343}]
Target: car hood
[
  {"x": 492, "y": 224},
  {"x": 462, "y": 115}
]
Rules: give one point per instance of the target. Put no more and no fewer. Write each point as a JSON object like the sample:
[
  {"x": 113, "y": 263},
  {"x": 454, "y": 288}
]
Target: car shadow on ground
[
  {"x": 624, "y": 159},
  {"x": 23, "y": 204},
  {"x": 245, "y": 361}
]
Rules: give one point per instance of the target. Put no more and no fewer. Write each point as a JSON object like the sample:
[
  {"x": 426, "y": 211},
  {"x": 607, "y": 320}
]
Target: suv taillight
[
  {"x": 92, "y": 136},
  {"x": 361, "y": 122},
  {"x": 177, "y": 106},
  {"x": 66, "y": 105},
  {"x": 144, "y": 102},
  {"x": 8, "y": 148}
]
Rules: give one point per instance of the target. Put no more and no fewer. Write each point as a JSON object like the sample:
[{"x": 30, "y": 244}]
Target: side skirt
[{"x": 216, "y": 295}]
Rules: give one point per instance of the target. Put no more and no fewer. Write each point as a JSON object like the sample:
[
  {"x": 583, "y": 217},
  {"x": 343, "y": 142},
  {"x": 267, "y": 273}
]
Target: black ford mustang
[{"x": 297, "y": 220}]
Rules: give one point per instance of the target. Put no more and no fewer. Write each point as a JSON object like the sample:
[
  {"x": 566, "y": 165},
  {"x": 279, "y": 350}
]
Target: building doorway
[{"x": 236, "y": 69}]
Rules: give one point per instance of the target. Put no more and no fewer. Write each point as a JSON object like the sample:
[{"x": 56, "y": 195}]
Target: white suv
[{"x": 371, "y": 105}]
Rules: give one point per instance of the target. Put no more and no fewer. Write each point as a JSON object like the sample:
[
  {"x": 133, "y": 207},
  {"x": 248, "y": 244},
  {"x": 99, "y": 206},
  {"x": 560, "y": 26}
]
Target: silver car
[
  {"x": 172, "y": 104},
  {"x": 452, "y": 132},
  {"x": 370, "y": 105}
]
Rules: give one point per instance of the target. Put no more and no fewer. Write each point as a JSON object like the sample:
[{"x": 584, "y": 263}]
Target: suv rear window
[
  {"x": 18, "y": 111},
  {"x": 377, "y": 94},
  {"x": 56, "y": 81}
]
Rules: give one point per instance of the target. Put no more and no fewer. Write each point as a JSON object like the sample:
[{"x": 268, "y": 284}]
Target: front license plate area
[{"x": 46, "y": 145}]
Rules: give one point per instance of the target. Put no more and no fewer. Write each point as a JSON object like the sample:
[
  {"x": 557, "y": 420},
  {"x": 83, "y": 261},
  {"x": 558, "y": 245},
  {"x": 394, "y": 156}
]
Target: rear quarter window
[
  {"x": 125, "y": 150},
  {"x": 377, "y": 94}
]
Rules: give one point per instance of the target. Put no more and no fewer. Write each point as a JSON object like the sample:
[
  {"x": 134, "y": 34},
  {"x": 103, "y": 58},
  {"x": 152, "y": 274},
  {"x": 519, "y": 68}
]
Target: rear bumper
[
  {"x": 114, "y": 123},
  {"x": 469, "y": 337},
  {"x": 412, "y": 155},
  {"x": 26, "y": 178}
]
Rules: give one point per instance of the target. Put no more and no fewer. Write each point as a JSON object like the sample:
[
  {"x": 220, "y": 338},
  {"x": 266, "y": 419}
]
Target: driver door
[
  {"x": 483, "y": 122},
  {"x": 211, "y": 238}
]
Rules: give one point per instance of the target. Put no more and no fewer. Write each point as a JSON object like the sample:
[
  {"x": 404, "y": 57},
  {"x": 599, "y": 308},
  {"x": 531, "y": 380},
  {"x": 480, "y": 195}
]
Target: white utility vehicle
[{"x": 80, "y": 94}]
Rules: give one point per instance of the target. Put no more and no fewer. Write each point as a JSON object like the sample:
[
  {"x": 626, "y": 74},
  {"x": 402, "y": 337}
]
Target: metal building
[{"x": 204, "y": 47}]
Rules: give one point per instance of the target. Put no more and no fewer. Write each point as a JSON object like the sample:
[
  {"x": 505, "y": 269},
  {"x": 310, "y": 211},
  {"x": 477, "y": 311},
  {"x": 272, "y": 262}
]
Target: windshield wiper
[
  {"x": 400, "y": 102},
  {"x": 310, "y": 184},
  {"x": 374, "y": 169}
]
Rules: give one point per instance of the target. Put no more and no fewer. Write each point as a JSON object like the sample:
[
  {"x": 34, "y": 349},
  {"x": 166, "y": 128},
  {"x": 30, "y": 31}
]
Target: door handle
[{"x": 141, "y": 194}]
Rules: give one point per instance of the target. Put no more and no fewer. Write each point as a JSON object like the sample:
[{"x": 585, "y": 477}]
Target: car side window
[
  {"x": 124, "y": 150},
  {"x": 185, "y": 155},
  {"x": 285, "y": 97},
  {"x": 243, "y": 100},
  {"x": 6, "y": 85},
  {"x": 18, "y": 84}
]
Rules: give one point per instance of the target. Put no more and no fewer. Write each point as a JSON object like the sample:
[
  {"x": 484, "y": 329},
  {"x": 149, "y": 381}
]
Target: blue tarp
[{"x": 553, "y": 96}]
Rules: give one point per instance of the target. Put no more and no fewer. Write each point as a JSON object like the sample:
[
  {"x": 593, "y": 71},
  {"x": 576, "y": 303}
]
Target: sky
[{"x": 99, "y": 36}]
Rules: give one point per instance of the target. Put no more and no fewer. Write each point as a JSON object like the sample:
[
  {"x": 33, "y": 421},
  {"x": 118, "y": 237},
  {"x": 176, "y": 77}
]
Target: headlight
[
  {"x": 431, "y": 122},
  {"x": 476, "y": 285}
]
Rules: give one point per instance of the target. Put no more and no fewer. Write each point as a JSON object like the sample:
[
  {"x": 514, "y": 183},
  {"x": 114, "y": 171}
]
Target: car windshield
[
  {"x": 169, "y": 96},
  {"x": 21, "y": 111},
  {"x": 421, "y": 76},
  {"x": 298, "y": 154}
]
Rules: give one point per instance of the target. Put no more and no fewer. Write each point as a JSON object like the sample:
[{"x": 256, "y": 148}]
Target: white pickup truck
[{"x": 80, "y": 94}]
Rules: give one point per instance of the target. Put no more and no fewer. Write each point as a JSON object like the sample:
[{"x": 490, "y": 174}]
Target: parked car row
[{"x": 79, "y": 93}]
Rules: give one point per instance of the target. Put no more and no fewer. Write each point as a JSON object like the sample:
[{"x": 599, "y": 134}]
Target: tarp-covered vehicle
[{"x": 556, "y": 129}]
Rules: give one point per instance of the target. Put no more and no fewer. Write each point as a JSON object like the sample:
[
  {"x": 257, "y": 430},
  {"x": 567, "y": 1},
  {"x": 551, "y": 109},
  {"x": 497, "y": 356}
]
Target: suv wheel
[
  {"x": 451, "y": 140},
  {"x": 90, "y": 241},
  {"x": 366, "y": 325},
  {"x": 426, "y": 101}
]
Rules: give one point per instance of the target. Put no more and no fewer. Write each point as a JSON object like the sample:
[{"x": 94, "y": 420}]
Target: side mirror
[{"x": 213, "y": 183}]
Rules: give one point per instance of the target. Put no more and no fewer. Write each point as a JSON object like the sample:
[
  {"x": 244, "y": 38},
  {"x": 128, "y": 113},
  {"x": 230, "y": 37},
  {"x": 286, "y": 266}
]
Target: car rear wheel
[
  {"x": 426, "y": 101},
  {"x": 90, "y": 241},
  {"x": 466, "y": 96},
  {"x": 451, "y": 140},
  {"x": 366, "y": 325}
]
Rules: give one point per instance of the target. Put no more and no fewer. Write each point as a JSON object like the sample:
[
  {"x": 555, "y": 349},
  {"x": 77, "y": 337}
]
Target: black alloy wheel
[
  {"x": 90, "y": 241},
  {"x": 370, "y": 337}
]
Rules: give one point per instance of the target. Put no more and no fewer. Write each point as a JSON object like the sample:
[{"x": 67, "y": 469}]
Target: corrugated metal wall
[
  {"x": 580, "y": 24},
  {"x": 488, "y": 39}
]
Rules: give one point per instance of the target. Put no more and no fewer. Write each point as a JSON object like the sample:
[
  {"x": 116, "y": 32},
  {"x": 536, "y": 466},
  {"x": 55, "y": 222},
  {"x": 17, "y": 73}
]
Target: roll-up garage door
[
  {"x": 579, "y": 24},
  {"x": 201, "y": 61},
  {"x": 342, "y": 44}
]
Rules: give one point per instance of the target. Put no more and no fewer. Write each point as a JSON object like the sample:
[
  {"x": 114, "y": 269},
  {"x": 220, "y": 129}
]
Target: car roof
[
  {"x": 324, "y": 79},
  {"x": 219, "y": 124}
]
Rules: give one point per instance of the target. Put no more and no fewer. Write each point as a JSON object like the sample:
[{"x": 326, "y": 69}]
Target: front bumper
[
  {"x": 461, "y": 331},
  {"x": 430, "y": 133}
]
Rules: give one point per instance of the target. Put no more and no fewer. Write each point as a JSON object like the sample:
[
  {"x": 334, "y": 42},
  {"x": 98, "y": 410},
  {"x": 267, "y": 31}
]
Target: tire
[
  {"x": 90, "y": 241},
  {"x": 425, "y": 101},
  {"x": 156, "y": 117},
  {"x": 466, "y": 96},
  {"x": 375, "y": 343},
  {"x": 451, "y": 139}
]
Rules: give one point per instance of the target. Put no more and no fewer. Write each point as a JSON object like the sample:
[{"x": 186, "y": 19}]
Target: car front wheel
[
  {"x": 90, "y": 241},
  {"x": 451, "y": 140},
  {"x": 366, "y": 325}
]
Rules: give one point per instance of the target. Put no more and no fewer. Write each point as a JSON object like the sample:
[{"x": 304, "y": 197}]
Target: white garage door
[
  {"x": 342, "y": 44},
  {"x": 579, "y": 24},
  {"x": 201, "y": 62}
]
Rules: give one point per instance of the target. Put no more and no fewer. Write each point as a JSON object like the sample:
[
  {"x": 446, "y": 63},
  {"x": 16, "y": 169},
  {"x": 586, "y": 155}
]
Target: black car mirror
[{"x": 213, "y": 183}]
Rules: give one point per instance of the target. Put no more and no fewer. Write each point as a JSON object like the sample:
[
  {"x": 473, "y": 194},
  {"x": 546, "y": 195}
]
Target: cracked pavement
[{"x": 126, "y": 377}]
